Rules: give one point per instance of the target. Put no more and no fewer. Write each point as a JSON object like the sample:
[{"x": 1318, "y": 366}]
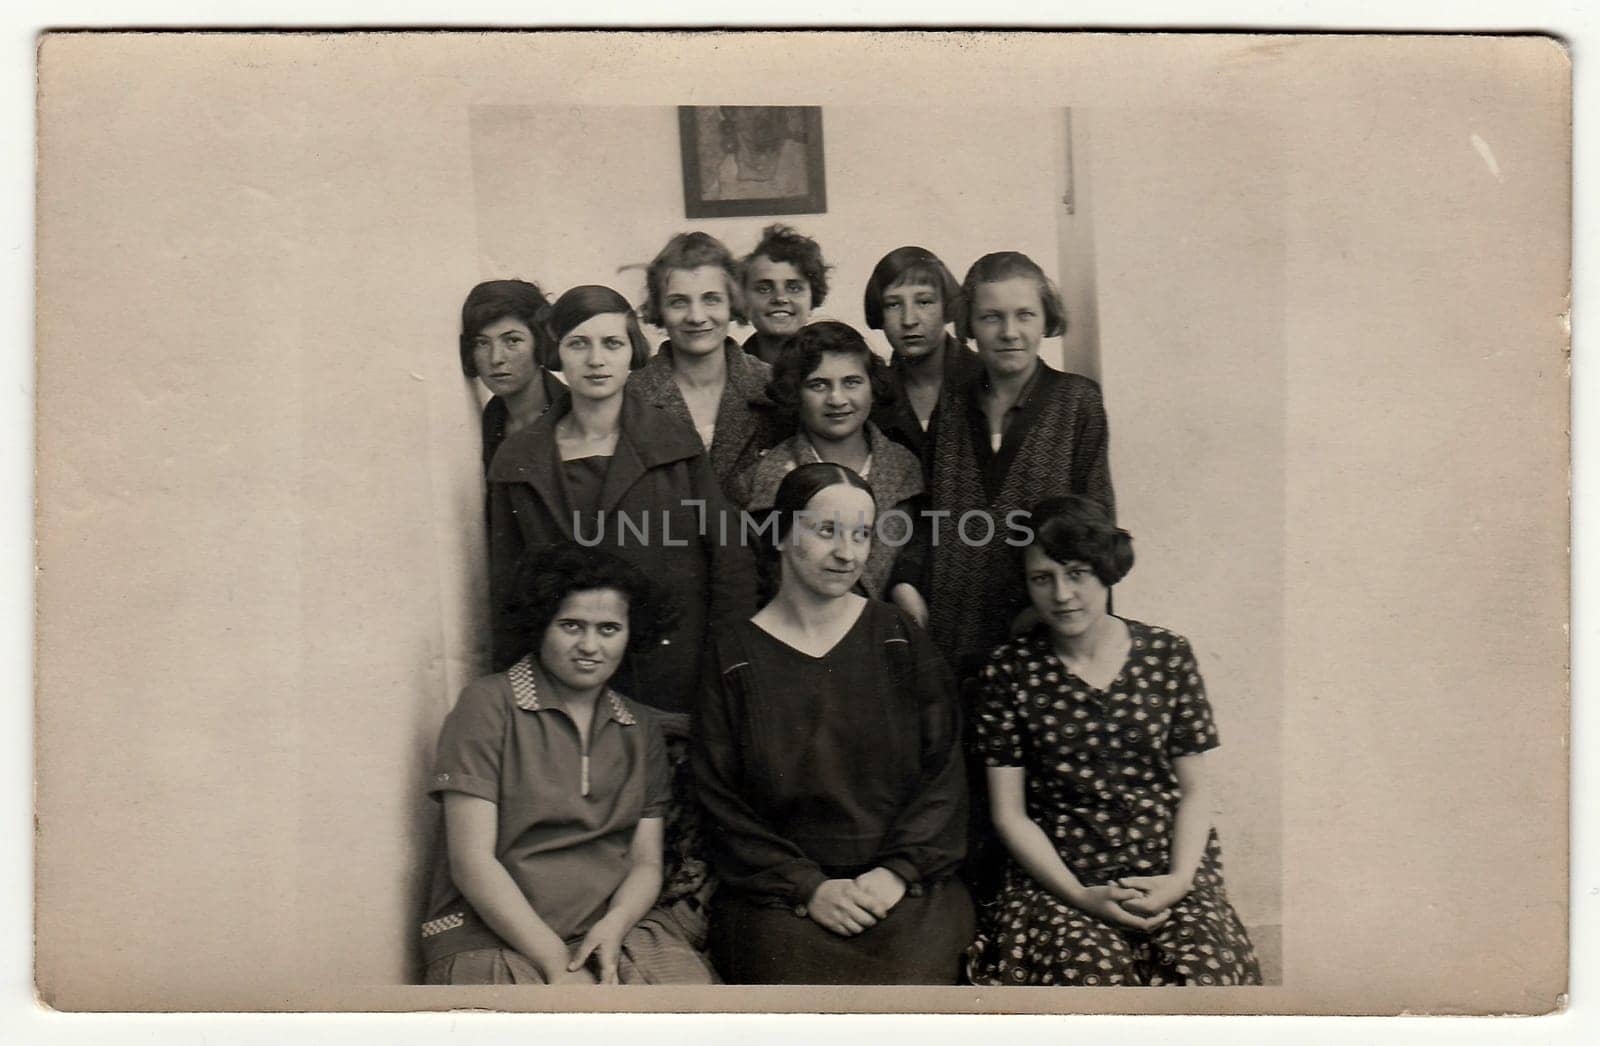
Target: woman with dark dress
[
  {"x": 911, "y": 297},
  {"x": 1094, "y": 729},
  {"x": 826, "y": 754},
  {"x": 1016, "y": 432},
  {"x": 607, "y": 469},
  {"x": 700, "y": 375},
  {"x": 784, "y": 278},
  {"x": 502, "y": 345}
]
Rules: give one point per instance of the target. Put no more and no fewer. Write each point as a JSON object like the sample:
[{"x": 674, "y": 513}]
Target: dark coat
[
  {"x": 899, "y": 422},
  {"x": 747, "y": 422},
  {"x": 659, "y": 478}
]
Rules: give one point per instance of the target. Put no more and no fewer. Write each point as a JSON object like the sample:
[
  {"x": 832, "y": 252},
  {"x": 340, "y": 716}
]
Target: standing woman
[
  {"x": 1094, "y": 729},
  {"x": 1017, "y": 432},
  {"x": 828, "y": 760},
  {"x": 829, "y": 381},
  {"x": 784, "y": 278},
  {"x": 911, "y": 296},
  {"x": 700, "y": 375},
  {"x": 503, "y": 345},
  {"x": 609, "y": 469}
]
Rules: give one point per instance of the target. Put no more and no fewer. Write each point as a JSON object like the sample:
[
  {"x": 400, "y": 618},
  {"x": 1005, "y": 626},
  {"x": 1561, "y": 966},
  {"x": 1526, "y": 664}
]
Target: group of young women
[{"x": 806, "y": 665}]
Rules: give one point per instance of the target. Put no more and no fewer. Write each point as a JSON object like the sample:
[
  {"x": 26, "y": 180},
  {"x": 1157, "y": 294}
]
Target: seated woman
[
  {"x": 784, "y": 278},
  {"x": 1017, "y": 432},
  {"x": 607, "y": 469},
  {"x": 554, "y": 788},
  {"x": 911, "y": 297},
  {"x": 502, "y": 345},
  {"x": 1094, "y": 730},
  {"x": 829, "y": 382},
  {"x": 827, "y": 757},
  {"x": 700, "y": 376}
]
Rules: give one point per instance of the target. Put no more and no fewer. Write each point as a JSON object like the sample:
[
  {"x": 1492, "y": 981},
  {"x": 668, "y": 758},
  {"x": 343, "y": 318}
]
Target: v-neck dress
[
  {"x": 1102, "y": 786},
  {"x": 815, "y": 768}
]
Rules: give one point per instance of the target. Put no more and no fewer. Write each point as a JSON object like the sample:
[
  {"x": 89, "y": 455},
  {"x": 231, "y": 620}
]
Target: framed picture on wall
[{"x": 745, "y": 160}]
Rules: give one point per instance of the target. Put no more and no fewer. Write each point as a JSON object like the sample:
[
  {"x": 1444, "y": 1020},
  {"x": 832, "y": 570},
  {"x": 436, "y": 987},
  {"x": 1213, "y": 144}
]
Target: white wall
[{"x": 567, "y": 195}]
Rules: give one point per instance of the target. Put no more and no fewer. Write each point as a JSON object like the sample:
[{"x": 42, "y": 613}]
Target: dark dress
[
  {"x": 1056, "y": 443},
  {"x": 1101, "y": 785},
  {"x": 812, "y": 768},
  {"x": 898, "y": 419}
]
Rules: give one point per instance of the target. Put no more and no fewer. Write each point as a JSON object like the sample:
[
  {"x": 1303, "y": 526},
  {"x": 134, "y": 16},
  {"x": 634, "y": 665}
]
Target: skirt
[{"x": 920, "y": 941}]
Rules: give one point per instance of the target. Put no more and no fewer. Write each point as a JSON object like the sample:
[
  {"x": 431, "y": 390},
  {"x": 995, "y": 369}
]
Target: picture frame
[{"x": 750, "y": 160}]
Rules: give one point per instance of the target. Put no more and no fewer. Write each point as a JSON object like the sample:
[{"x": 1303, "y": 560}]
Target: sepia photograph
[{"x": 556, "y": 543}]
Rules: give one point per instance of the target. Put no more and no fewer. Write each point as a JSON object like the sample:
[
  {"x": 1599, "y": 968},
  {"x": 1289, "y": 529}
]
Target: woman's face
[
  {"x": 696, "y": 309},
  {"x": 1070, "y": 599},
  {"x": 1008, "y": 324},
  {"x": 836, "y": 398},
  {"x": 595, "y": 356},
  {"x": 583, "y": 645},
  {"x": 777, "y": 297},
  {"x": 913, "y": 319},
  {"x": 502, "y": 352},
  {"x": 827, "y": 546}
]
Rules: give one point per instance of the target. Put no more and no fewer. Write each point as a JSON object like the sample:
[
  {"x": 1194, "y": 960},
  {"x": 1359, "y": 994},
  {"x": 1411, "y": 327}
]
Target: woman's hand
[
  {"x": 907, "y": 598},
  {"x": 1106, "y": 904},
  {"x": 883, "y": 888},
  {"x": 602, "y": 944},
  {"x": 581, "y": 975},
  {"x": 839, "y": 905},
  {"x": 1156, "y": 893}
]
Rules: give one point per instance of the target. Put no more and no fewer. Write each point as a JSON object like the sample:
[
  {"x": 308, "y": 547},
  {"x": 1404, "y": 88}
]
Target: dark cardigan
[{"x": 659, "y": 478}]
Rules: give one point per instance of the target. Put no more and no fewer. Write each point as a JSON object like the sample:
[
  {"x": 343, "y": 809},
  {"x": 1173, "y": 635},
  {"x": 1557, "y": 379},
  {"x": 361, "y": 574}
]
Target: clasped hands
[
  {"x": 849, "y": 906},
  {"x": 1141, "y": 902}
]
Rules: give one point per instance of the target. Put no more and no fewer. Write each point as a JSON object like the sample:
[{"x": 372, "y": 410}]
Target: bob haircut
[
  {"x": 686, "y": 251},
  {"x": 1076, "y": 527},
  {"x": 497, "y": 300},
  {"x": 1006, "y": 265},
  {"x": 908, "y": 266},
  {"x": 804, "y": 355},
  {"x": 583, "y": 303},
  {"x": 547, "y": 575},
  {"x": 783, "y": 244},
  {"x": 803, "y": 484}
]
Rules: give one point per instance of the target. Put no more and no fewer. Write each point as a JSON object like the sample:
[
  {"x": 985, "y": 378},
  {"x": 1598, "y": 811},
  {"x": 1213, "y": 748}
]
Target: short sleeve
[
  {"x": 1193, "y": 728},
  {"x": 470, "y": 743},
  {"x": 997, "y": 730},
  {"x": 657, "y": 770}
]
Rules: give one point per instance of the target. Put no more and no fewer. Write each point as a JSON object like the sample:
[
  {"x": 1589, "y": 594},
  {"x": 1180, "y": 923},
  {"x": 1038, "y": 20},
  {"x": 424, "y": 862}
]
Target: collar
[
  {"x": 647, "y": 438},
  {"x": 747, "y": 375},
  {"x": 981, "y": 390},
  {"x": 525, "y": 677}
]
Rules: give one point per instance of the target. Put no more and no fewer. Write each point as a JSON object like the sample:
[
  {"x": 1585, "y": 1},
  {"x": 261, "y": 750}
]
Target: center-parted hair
[
  {"x": 803, "y": 484},
  {"x": 909, "y": 266},
  {"x": 1006, "y": 265},
  {"x": 783, "y": 243},
  {"x": 583, "y": 303},
  {"x": 688, "y": 251},
  {"x": 1078, "y": 527},
  {"x": 548, "y": 574},
  {"x": 496, "y": 300},
  {"x": 804, "y": 355}
]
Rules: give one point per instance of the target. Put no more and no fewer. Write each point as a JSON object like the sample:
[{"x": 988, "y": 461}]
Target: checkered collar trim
[{"x": 524, "y": 678}]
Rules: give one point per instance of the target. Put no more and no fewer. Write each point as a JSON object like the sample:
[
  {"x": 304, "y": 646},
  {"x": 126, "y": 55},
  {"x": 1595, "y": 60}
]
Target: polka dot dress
[{"x": 1101, "y": 784}]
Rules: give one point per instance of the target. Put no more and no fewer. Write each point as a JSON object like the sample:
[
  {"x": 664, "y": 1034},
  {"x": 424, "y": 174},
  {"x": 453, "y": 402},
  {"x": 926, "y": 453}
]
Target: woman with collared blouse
[
  {"x": 828, "y": 759},
  {"x": 700, "y": 375}
]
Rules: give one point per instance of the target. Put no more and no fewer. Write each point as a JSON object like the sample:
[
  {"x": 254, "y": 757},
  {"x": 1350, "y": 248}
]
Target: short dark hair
[
  {"x": 547, "y": 575},
  {"x": 689, "y": 251},
  {"x": 804, "y": 354},
  {"x": 1006, "y": 265},
  {"x": 583, "y": 303},
  {"x": 496, "y": 300},
  {"x": 1078, "y": 527},
  {"x": 906, "y": 266},
  {"x": 782, "y": 243}
]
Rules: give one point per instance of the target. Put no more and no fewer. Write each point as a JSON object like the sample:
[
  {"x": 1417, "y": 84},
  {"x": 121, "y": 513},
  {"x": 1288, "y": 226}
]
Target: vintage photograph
[{"x": 571, "y": 548}]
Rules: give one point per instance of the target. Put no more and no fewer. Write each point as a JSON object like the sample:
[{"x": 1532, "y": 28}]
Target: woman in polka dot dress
[{"x": 1093, "y": 730}]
